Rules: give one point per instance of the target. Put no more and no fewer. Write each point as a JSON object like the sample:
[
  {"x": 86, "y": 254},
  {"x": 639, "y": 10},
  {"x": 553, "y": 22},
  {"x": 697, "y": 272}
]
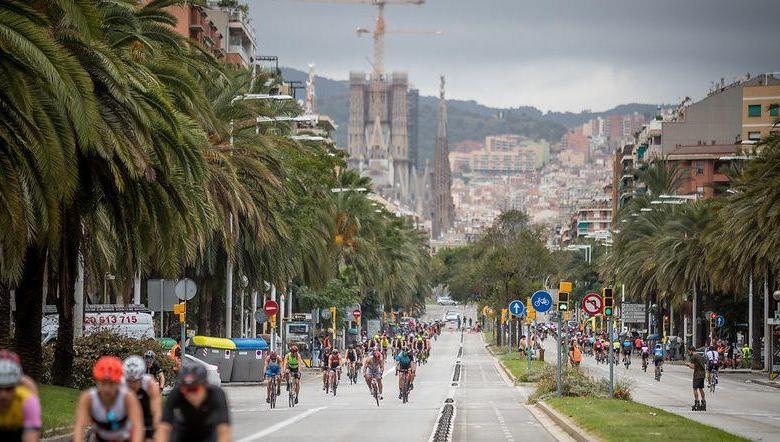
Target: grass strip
[
  {"x": 518, "y": 365},
  {"x": 619, "y": 420},
  {"x": 58, "y": 408}
]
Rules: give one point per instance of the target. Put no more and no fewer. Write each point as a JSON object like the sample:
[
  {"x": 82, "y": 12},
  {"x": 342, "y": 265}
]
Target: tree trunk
[
  {"x": 204, "y": 307},
  {"x": 217, "y": 318},
  {"x": 29, "y": 311},
  {"x": 5, "y": 316},
  {"x": 68, "y": 269},
  {"x": 758, "y": 326}
]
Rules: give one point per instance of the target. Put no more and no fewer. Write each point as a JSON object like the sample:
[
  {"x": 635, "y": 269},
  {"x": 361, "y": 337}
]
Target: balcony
[
  {"x": 197, "y": 19},
  {"x": 242, "y": 53}
]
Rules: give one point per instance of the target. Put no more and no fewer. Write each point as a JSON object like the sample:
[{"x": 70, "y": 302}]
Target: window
[
  {"x": 773, "y": 110},
  {"x": 754, "y": 110},
  {"x": 699, "y": 166},
  {"x": 754, "y": 136}
]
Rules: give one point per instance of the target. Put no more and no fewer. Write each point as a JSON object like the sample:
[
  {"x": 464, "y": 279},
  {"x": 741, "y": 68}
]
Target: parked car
[
  {"x": 451, "y": 316},
  {"x": 446, "y": 301}
]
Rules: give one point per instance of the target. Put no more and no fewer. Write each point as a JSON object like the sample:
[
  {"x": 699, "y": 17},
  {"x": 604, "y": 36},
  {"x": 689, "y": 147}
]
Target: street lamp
[{"x": 348, "y": 189}]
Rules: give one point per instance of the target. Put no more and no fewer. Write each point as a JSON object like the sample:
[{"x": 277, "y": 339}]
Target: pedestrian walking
[
  {"x": 699, "y": 365},
  {"x": 316, "y": 346}
]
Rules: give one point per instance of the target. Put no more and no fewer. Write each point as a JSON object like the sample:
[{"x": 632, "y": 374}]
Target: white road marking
[
  {"x": 276, "y": 427},
  {"x": 502, "y": 424}
]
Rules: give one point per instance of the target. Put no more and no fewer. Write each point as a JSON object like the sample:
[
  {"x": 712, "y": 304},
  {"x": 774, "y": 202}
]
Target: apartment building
[
  {"x": 194, "y": 22},
  {"x": 760, "y": 101}
]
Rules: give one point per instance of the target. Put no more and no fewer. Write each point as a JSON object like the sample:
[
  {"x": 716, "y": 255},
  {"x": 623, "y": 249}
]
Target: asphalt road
[
  {"x": 487, "y": 408},
  {"x": 742, "y": 408}
]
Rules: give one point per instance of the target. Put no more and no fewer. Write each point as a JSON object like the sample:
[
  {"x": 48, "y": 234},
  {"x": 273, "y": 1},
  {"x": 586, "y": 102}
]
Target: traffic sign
[
  {"x": 260, "y": 316},
  {"x": 356, "y": 313},
  {"x": 270, "y": 307},
  {"x": 185, "y": 289},
  {"x": 720, "y": 321},
  {"x": 517, "y": 308},
  {"x": 542, "y": 301},
  {"x": 592, "y": 303},
  {"x": 326, "y": 314}
]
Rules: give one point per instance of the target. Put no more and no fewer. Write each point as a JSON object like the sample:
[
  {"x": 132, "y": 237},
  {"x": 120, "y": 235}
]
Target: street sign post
[
  {"x": 185, "y": 290},
  {"x": 633, "y": 313},
  {"x": 517, "y": 308},
  {"x": 611, "y": 358},
  {"x": 542, "y": 301},
  {"x": 260, "y": 316},
  {"x": 564, "y": 288},
  {"x": 592, "y": 303},
  {"x": 270, "y": 307}
]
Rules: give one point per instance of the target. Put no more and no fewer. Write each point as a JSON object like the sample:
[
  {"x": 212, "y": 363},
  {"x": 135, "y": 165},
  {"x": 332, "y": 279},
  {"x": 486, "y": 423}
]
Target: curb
[
  {"x": 566, "y": 424},
  {"x": 764, "y": 383},
  {"x": 61, "y": 438}
]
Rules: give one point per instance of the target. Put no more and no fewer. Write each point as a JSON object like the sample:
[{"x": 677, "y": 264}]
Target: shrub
[
  {"x": 574, "y": 383},
  {"x": 90, "y": 347}
]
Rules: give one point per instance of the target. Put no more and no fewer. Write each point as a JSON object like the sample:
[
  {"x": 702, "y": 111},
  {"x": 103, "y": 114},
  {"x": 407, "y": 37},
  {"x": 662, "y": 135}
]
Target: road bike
[
  {"x": 333, "y": 381},
  {"x": 404, "y": 385},
  {"x": 626, "y": 361},
  {"x": 273, "y": 391},
  {"x": 658, "y": 372},
  {"x": 292, "y": 397},
  {"x": 712, "y": 380},
  {"x": 375, "y": 390},
  {"x": 644, "y": 365},
  {"x": 352, "y": 373}
]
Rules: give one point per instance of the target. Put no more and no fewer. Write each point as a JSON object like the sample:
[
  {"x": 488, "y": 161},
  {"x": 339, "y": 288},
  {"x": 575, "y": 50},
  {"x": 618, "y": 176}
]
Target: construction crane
[{"x": 377, "y": 143}]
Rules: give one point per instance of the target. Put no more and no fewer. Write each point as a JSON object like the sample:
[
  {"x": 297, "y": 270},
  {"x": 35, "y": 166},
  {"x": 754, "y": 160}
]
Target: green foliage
[
  {"x": 574, "y": 383},
  {"x": 89, "y": 348},
  {"x": 58, "y": 408}
]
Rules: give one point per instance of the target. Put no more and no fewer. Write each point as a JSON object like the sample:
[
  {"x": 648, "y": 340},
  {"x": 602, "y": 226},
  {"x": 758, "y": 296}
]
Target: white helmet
[
  {"x": 10, "y": 369},
  {"x": 134, "y": 368}
]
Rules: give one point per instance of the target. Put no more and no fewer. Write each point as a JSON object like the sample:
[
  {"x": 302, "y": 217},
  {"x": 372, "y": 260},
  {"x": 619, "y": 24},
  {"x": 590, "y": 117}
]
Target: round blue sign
[
  {"x": 542, "y": 301},
  {"x": 517, "y": 308},
  {"x": 720, "y": 321}
]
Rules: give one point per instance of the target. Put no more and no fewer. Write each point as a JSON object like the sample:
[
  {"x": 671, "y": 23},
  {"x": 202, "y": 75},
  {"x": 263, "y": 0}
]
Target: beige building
[{"x": 760, "y": 101}]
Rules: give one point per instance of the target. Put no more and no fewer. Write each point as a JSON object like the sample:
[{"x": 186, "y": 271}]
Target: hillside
[{"x": 468, "y": 120}]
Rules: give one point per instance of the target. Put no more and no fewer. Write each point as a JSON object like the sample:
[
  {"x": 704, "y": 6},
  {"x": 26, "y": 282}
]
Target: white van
[{"x": 133, "y": 324}]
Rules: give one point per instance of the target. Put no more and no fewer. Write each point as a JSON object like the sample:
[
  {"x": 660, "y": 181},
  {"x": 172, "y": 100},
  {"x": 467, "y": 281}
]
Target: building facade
[{"x": 760, "y": 101}]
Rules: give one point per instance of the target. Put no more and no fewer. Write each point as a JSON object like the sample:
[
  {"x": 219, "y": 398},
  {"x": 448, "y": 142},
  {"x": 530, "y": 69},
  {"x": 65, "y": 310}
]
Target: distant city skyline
[{"x": 557, "y": 55}]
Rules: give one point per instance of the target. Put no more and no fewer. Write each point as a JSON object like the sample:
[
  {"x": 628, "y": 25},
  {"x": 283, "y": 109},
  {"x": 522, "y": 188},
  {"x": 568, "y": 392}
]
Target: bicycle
[
  {"x": 712, "y": 380},
  {"x": 375, "y": 390},
  {"x": 626, "y": 361},
  {"x": 292, "y": 398},
  {"x": 352, "y": 374},
  {"x": 272, "y": 391},
  {"x": 644, "y": 365},
  {"x": 658, "y": 372},
  {"x": 404, "y": 385},
  {"x": 333, "y": 381}
]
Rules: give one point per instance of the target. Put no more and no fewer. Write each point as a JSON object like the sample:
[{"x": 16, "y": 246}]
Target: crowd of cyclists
[{"x": 407, "y": 348}]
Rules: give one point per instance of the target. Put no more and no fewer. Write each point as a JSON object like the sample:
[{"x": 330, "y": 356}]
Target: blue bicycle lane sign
[{"x": 542, "y": 301}]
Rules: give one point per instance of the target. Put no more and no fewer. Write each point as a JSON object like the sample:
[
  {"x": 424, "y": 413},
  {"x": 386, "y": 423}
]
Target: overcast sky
[{"x": 552, "y": 54}]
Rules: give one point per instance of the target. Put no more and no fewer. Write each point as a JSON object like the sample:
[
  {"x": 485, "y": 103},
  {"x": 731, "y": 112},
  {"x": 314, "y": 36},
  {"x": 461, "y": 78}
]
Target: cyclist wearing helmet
[
  {"x": 292, "y": 367},
  {"x": 404, "y": 366},
  {"x": 110, "y": 406},
  {"x": 153, "y": 368},
  {"x": 273, "y": 367},
  {"x": 373, "y": 368},
  {"x": 146, "y": 389},
  {"x": 20, "y": 409},
  {"x": 325, "y": 358},
  {"x": 195, "y": 410}
]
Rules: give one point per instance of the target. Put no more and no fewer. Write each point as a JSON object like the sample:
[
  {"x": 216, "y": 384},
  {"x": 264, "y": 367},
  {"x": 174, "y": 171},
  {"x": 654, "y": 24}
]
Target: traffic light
[
  {"x": 181, "y": 310},
  {"x": 609, "y": 303},
  {"x": 563, "y": 301}
]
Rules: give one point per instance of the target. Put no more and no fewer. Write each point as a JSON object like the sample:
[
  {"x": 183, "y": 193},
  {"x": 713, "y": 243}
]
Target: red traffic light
[{"x": 713, "y": 315}]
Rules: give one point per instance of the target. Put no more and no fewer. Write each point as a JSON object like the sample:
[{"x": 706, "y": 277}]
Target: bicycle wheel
[
  {"x": 273, "y": 396},
  {"x": 291, "y": 399},
  {"x": 335, "y": 384},
  {"x": 375, "y": 389}
]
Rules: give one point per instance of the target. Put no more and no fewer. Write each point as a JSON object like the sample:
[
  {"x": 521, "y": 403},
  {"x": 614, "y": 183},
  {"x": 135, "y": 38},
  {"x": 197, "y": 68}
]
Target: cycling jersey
[
  {"x": 404, "y": 360},
  {"x": 385, "y": 343},
  {"x": 292, "y": 361},
  {"x": 22, "y": 414},
  {"x": 143, "y": 398},
  {"x": 111, "y": 423},
  {"x": 334, "y": 362},
  {"x": 199, "y": 423},
  {"x": 374, "y": 368},
  {"x": 273, "y": 368}
]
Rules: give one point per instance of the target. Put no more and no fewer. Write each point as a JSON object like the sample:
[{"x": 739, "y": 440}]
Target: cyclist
[
  {"x": 146, "y": 389},
  {"x": 334, "y": 364},
  {"x": 111, "y": 406},
  {"x": 325, "y": 368},
  {"x": 384, "y": 343},
  {"x": 373, "y": 368},
  {"x": 20, "y": 408},
  {"x": 712, "y": 365},
  {"x": 272, "y": 370},
  {"x": 195, "y": 410},
  {"x": 615, "y": 350},
  {"x": 153, "y": 368},
  {"x": 747, "y": 353},
  {"x": 404, "y": 365},
  {"x": 352, "y": 357},
  {"x": 292, "y": 368},
  {"x": 627, "y": 352},
  {"x": 658, "y": 357},
  {"x": 419, "y": 348},
  {"x": 645, "y": 355}
]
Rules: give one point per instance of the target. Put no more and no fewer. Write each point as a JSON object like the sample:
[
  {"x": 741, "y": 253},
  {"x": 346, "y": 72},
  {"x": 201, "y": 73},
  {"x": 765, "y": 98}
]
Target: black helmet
[{"x": 193, "y": 374}]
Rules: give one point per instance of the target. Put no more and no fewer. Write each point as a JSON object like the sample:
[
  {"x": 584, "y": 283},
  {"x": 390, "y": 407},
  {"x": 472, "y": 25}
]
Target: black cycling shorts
[
  {"x": 698, "y": 384},
  {"x": 295, "y": 372}
]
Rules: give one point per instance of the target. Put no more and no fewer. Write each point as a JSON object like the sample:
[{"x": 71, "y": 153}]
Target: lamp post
[{"x": 229, "y": 269}]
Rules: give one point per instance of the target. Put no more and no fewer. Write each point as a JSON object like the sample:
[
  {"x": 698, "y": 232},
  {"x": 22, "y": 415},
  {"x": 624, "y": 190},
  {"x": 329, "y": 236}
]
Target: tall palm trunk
[
  {"x": 29, "y": 311},
  {"x": 68, "y": 268},
  {"x": 5, "y": 315},
  {"x": 758, "y": 326},
  {"x": 204, "y": 307}
]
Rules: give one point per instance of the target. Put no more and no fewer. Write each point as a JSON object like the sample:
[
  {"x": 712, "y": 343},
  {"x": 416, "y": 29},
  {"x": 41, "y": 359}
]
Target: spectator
[
  {"x": 699, "y": 365},
  {"x": 316, "y": 346}
]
